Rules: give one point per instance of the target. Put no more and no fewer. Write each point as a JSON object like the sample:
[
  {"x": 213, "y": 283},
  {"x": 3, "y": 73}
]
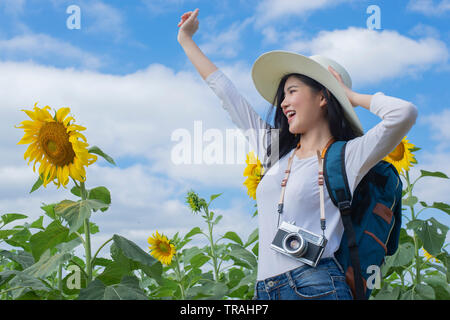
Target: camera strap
[{"x": 320, "y": 157}]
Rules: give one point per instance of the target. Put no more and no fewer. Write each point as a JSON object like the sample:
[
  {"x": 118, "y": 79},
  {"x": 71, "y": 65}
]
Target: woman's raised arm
[{"x": 188, "y": 26}]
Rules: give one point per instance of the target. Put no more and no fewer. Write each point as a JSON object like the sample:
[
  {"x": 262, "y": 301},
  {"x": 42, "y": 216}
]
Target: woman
[{"x": 314, "y": 107}]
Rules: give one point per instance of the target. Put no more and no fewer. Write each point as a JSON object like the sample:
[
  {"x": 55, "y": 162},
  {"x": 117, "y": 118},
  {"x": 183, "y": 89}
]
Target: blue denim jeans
[{"x": 324, "y": 282}]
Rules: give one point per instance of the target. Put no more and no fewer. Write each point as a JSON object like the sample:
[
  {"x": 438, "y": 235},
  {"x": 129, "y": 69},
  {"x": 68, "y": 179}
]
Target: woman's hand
[
  {"x": 188, "y": 25},
  {"x": 349, "y": 92}
]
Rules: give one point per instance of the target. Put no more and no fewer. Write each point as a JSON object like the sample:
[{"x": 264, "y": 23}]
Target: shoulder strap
[{"x": 337, "y": 185}]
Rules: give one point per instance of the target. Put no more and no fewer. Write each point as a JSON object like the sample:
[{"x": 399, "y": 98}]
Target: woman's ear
[{"x": 323, "y": 101}]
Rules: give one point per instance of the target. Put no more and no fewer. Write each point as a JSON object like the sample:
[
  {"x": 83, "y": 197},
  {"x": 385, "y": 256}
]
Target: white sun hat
[{"x": 271, "y": 66}]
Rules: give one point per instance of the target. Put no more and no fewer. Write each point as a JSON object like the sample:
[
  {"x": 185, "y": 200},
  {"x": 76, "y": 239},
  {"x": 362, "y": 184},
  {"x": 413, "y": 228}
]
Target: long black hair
[{"x": 340, "y": 127}]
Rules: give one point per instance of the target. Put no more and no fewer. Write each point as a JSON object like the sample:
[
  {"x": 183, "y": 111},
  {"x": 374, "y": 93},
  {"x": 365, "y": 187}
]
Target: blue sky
[{"x": 127, "y": 79}]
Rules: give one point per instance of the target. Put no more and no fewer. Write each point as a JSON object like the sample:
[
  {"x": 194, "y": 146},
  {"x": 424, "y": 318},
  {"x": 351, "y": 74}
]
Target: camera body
[{"x": 299, "y": 243}]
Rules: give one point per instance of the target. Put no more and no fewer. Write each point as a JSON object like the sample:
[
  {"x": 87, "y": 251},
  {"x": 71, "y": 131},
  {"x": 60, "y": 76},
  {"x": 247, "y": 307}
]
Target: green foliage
[
  {"x": 409, "y": 274},
  {"x": 127, "y": 289},
  {"x": 186, "y": 277},
  {"x": 43, "y": 264}
]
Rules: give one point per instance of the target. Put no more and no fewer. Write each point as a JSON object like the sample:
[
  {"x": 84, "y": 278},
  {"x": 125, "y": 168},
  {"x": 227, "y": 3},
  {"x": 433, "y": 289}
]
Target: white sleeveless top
[{"x": 301, "y": 200}]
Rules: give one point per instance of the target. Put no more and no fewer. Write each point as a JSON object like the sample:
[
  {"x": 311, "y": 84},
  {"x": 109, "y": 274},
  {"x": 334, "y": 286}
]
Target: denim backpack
[{"x": 372, "y": 219}]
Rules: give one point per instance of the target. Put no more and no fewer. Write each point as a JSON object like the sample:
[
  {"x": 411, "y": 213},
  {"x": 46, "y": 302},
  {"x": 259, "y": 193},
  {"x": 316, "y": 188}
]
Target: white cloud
[
  {"x": 423, "y": 30},
  {"x": 98, "y": 18},
  {"x": 429, "y": 7},
  {"x": 13, "y": 7},
  {"x": 46, "y": 48},
  {"x": 269, "y": 11},
  {"x": 131, "y": 118},
  {"x": 156, "y": 7},
  {"x": 270, "y": 35},
  {"x": 371, "y": 56},
  {"x": 227, "y": 43},
  {"x": 438, "y": 124},
  {"x": 103, "y": 19}
]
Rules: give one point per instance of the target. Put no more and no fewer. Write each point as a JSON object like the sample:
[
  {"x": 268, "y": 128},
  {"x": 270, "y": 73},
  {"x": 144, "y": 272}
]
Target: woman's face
[{"x": 306, "y": 104}]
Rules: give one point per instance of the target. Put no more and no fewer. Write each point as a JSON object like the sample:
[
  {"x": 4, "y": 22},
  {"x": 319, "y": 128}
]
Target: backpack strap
[{"x": 337, "y": 185}]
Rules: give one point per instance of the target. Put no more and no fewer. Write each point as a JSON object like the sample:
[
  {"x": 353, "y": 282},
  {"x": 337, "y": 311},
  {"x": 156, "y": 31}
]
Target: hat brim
[{"x": 270, "y": 67}]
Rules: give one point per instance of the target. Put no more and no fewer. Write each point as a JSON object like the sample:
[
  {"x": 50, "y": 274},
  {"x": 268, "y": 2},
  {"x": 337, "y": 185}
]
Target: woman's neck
[{"x": 314, "y": 139}]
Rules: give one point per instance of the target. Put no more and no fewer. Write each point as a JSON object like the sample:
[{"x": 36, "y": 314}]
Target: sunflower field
[{"x": 43, "y": 264}]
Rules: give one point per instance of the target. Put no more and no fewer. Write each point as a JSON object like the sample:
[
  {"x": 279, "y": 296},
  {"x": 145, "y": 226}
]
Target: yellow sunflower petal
[
  {"x": 65, "y": 175},
  {"x": 74, "y": 127},
  {"x": 67, "y": 120},
  {"x": 31, "y": 114},
  {"x": 26, "y": 139},
  {"x": 43, "y": 114},
  {"x": 61, "y": 114}
]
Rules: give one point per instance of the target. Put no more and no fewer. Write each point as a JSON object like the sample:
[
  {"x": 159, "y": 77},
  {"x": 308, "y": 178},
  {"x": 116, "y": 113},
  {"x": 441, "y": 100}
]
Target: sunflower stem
[
  {"x": 87, "y": 233},
  {"x": 60, "y": 283},
  {"x": 213, "y": 253},
  {"x": 95, "y": 255},
  {"x": 178, "y": 274},
  {"x": 416, "y": 244}
]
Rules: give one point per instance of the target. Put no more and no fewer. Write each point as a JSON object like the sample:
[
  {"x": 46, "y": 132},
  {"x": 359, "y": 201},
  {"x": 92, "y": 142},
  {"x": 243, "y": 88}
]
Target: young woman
[{"x": 313, "y": 107}]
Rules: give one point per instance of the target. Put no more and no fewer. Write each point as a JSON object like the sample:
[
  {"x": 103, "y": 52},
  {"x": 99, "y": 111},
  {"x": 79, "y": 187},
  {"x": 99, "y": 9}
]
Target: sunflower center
[
  {"x": 52, "y": 146},
  {"x": 54, "y": 140},
  {"x": 398, "y": 152},
  {"x": 164, "y": 247}
]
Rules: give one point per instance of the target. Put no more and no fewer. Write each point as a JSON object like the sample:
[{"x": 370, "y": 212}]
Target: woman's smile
[{"x": 291, "y": 116}]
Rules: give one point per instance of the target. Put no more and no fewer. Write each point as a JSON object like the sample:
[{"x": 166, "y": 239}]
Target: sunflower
[
  {"x": 253, "y": 172},
  {"x": 402, "y": 157},
  {"x": 195, "y": 202},
  {"x": 54, "y": 144},
  {"x": 429, "y": 256},
  {"x": 161, "y": 248}
]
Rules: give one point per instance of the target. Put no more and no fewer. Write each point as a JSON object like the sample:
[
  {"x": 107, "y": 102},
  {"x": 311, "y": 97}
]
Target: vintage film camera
[{"x": 299, "y": 243}]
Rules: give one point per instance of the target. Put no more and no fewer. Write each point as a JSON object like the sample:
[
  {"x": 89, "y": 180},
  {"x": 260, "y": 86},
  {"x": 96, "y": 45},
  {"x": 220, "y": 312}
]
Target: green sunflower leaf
[
  {"x": 436, "y": 174},
  {"x": 441, "y": 206},
  {"x": 25, "y": 259},
  {"x": 431, "y": 232},
  {"x": 244, "y": 255},
  {"x": 49, "y": 210},
  {"x": 75, "y": 212},
  {"x": 47, "y": 264},
  {"x": 39, "y": 182},
  {"x": 24, "y": 283},
  {"x": 194, "y": 231},
  {"x": 97, "y": 150},
  {"x": 214, "y": 196},
  {"x": 53, "y": 235},
  {"x": 132, "y": 251},
  {"x": 102, "y": 194},
  {"x": 38, "y": 223},
  {"x": 402, "y": 257},
  {"x": 10, "y": 217},
  {"x": 127, "y": 289},
  {"x": 233, "y": 237},
  {"x": 252, "y": 238}
]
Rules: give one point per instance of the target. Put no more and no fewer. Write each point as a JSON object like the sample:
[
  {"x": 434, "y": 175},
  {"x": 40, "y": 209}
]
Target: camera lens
[{"x": 294, "y": 244}]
